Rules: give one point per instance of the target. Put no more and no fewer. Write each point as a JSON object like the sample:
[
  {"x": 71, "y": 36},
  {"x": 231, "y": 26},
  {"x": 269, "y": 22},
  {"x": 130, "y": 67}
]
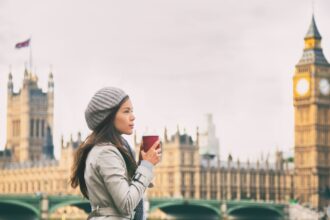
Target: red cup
[{"x": 148, "y": 141}]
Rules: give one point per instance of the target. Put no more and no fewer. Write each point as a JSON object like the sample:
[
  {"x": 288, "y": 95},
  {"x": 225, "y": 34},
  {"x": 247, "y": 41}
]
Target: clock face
[
  {"x": 302, "y": 86},
  {"x": 324, "y": 86}
]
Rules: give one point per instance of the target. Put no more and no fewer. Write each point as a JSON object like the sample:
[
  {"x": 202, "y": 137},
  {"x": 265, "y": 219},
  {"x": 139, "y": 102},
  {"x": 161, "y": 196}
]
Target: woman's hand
[{"x": 153, "y": 155}]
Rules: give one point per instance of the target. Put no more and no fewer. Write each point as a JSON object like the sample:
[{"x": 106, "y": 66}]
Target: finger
[
  {"x": 155, "y": 145},
  {"x": 159, "y": 145}
]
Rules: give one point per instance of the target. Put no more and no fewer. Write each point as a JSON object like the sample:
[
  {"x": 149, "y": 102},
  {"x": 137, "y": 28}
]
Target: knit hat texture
[{"x": 101, "y": 105}]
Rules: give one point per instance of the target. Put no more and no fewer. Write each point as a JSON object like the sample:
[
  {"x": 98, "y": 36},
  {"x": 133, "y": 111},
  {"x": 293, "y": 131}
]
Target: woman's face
[{"x": 124, "y": 119}]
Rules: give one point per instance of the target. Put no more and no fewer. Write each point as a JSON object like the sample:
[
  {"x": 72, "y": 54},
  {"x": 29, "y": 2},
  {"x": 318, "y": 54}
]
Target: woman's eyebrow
[{"x": 128, "y": 108}]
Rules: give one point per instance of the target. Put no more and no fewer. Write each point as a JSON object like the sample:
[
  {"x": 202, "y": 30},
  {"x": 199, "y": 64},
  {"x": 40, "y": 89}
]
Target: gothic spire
[
  {"x": 313, "y": 53},
  {"x": 313, "y": 32}
]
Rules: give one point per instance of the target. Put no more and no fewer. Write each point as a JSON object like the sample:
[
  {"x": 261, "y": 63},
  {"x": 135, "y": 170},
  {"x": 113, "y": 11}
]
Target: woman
[{"x": 104, "y": 166}]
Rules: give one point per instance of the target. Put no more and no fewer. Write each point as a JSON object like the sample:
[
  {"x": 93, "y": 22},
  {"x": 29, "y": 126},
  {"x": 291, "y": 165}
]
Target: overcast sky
[{"x": 176, "y": 59}]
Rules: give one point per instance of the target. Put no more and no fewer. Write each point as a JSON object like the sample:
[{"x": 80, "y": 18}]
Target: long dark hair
[{"x": 104, "y": 133}]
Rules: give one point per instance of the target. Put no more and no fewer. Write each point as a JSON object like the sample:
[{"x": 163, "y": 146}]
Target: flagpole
[{"x": 30, "y": 46}]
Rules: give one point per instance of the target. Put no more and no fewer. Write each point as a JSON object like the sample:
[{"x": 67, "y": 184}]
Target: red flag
[{"x": 22, "y": 44}]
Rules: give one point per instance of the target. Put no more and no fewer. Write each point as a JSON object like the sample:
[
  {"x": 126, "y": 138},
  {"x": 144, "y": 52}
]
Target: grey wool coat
[{"x": 110, "y": 190}]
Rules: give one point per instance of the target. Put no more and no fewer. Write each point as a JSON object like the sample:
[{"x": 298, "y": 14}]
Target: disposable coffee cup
[{"x": 147, "y": 142}]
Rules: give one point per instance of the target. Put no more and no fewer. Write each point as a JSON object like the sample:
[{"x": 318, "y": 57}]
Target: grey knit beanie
[{"x": 101, "y": 104}]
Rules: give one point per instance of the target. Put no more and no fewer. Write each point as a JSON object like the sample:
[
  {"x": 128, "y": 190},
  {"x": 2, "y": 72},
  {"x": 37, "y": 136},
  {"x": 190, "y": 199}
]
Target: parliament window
[
  {"x": 271, "y": 180},
  {"x": 213, "y": 179},
  {"x": 243, "y": 179},
  {"x": 213, "y": 195},
  {"x": 182, "y": 158},
  {"x": 192, "y": 194},
  {"x": 261, "y": 179},
  {"x": 253, "y": 179},
  {"x": 224, "y": 178},
  {"x": 192, "y": 179},
  {"x": 233, "y": 179},
  {"x": 43, "y": 128},
  {"x": 37, "y": 128},
  {"x": 204, "y": 178},
  {"x": 31, "y": 127}
]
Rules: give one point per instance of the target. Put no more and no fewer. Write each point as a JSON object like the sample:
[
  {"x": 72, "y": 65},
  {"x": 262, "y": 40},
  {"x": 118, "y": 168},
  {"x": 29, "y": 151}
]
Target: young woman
[{"x": 104, "y": 165}]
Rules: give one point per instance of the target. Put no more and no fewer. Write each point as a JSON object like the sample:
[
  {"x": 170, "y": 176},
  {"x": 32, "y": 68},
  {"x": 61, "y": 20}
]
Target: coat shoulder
[
  {"x": 105, "y": 152},
  {"x": 102, "y": 152}
]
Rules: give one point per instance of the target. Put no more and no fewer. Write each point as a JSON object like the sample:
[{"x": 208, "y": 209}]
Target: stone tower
[
  {"x": 208, "y": 141},
  {"x": 30, "y": 120},
  {"x": 311, "y": 91}
]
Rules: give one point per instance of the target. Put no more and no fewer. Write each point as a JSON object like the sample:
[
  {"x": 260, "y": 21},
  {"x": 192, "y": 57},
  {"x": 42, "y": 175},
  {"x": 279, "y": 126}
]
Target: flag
[{"x": 22, "y": 44}]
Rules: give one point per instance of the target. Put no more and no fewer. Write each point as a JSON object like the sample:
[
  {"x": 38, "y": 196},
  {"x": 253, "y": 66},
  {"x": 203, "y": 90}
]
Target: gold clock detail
[
  {"x": 324, "y": 86},
  {"x": 302, "y": 86}
]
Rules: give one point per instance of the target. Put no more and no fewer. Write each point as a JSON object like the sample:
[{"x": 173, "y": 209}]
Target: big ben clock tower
[{"x": 311, "y": 91}]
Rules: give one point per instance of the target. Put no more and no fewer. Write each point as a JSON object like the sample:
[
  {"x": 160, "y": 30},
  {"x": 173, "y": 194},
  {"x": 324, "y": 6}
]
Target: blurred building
[
  {"x": 27, "y": 164},
  {"x": 208, "y": 142},
  {"x": 186, "y": 173},
  {"x": 30, "y": 120},
  {"x": 48, "y": 176}
]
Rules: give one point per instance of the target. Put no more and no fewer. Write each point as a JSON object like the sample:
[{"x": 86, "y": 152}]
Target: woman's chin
[{"x": 128, "y": 132}]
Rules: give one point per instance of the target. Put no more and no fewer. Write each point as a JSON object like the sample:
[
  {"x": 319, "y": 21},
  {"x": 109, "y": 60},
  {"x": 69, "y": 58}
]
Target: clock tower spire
[
  {"x": 313, "y": 53},
  {"x": 312, "y": 121}
]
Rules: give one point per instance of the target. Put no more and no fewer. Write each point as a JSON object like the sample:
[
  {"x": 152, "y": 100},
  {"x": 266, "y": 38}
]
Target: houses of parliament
[{"x": 190, "y": 168}]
